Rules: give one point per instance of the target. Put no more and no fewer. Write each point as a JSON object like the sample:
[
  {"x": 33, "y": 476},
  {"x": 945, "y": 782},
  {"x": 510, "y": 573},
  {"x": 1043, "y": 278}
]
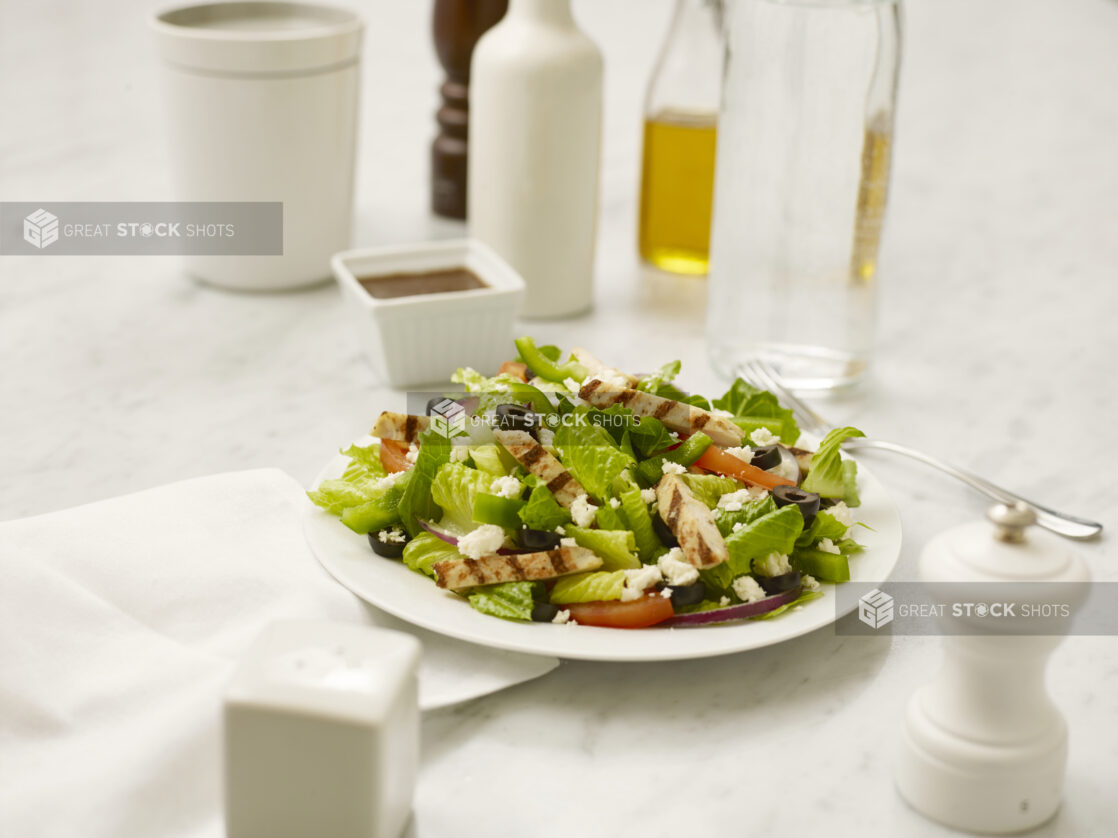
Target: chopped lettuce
[
  {"x": 487, "y": 458},
  {"x": 775, "y": 532},
  {"x": 710, "y": 487},
  {"x": 335, "y": 496},
  {"x": 542, "y": 511},
  {"x": 828, "y": 475},
  {"x": 665, "y": 375},
  {"x": 592, "y": 456},
  {"x": 417, "y": 503},
  {"x": 850, "y": 494},
  {"x": 749, "y": 512},
  {"x": 379, "y": 512},
  {"x": 649, "y": 546},
  {"x": 425, "y": 550},
  {"x": 593, "y": 586},
  {"x": 507, "y": 600},
  {"x": 453, "y": 489},
  {"x": 616, "y": 548},
  {"x": 609, "y": 518},
  {"x": 825, "y": 525},
  {"x": 753, "y": 408},
  {"x": 368, "y": 457}
]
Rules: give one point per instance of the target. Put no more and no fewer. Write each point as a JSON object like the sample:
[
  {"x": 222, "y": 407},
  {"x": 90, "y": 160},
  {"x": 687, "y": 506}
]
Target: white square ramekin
[{"x": 422, "y": 339}]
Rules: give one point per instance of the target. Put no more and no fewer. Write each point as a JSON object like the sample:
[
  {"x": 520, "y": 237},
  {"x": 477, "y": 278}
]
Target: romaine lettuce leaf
[
  {"x": 507, "y": 600},
  {"x": 542, "y": 511},
  {"x": 775, "y": 532},
  {"x": 751, "y": 406},
  {"x": 749, "y": 512},
  {"x": 665, "y": 375},
  {"x": 590, "y": 453},
  {"x": 368, "y": 457},
  {"x": 850, "y": 484},
  {"x": 487, "y": 458},
  {"x": 710, "y": 487},
  {"x": 649, "y": 546},
  {"x": 609, "y": 518},
  {"x": 417, "y": 503},
  {"x": 453, "y": 489},
  {"x": 825, "y": 525},
  {"x": 335, "y": 496},
  {"x": 593, "y": 586},
  {"x": 616, "y": 548},
  {"x": 382, "y": 510},
  {"x": 827, "y": 476},
  {"x": 425, "y": 550}
]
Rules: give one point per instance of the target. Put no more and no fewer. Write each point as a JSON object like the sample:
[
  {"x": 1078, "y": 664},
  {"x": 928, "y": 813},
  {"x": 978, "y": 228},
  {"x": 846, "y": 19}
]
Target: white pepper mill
[{"x": 984, "y": 749}]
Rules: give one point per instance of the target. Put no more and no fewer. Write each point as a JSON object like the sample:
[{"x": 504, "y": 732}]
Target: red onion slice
[{"x": 736, "y": 612}]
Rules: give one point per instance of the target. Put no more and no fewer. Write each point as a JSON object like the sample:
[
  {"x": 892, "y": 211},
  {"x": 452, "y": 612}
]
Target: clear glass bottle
[
  {"x": 680, "y": 132},
  {"x": 805, "y": 143}
]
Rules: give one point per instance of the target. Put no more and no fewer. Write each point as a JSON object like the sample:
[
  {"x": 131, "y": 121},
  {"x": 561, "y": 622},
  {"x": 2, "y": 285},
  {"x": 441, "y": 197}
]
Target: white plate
[{"x": 389, "y": 585}]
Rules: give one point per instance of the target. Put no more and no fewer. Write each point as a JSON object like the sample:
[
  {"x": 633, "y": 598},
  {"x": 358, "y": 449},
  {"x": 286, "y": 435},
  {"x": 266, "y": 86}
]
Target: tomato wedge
[
  {"x": 394, "y": 455},
  {"x": 515, "y": 369},
  {"x": 649, "y": 610},
  {"x": 717, "y": 460}
]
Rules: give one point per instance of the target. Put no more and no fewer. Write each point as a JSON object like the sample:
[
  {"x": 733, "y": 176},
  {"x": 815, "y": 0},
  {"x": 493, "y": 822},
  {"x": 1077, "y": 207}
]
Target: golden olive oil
[
  {"x": 873, "y": 189},
  {"x": 677, "y": 186}
]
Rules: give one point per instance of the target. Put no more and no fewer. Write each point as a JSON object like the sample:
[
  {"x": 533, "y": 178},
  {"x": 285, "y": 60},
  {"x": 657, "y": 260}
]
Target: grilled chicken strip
[
  {"x": 457, "y": 574},
  {"x": 600, "y": 370},
  {"x": 541, "y": 463},
  {"x": 676, "y": 415},
  {"x": 691, "y": 522},
  {"x": 399, "y": 426}
]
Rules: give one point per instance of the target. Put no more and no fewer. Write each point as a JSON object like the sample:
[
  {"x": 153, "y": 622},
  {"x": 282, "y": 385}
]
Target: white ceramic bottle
[{"x": 535, "y": 138}]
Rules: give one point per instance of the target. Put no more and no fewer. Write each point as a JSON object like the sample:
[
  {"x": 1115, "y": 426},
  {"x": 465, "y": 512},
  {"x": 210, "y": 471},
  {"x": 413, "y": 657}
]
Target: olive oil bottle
[
  {"x": 680, "y": 132},
  {"x": 677, "y": 181}
]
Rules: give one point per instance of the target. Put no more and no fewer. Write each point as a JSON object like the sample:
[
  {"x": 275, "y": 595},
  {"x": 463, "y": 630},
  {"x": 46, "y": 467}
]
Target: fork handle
[{"x": 1051, "y": 519}]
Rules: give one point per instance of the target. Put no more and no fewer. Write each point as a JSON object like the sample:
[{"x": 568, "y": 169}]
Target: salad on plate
[{"x": 568, "y": 491}]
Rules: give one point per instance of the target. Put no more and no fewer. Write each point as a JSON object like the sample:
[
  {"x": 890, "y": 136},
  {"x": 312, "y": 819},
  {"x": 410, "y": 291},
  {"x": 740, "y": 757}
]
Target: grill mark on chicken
[{"x": 559, "y": 481}]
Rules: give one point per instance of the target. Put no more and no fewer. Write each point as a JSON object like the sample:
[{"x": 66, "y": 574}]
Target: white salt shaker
[
  {"x": 984, "y": 749},
  {"x": 322, "y": 733}
]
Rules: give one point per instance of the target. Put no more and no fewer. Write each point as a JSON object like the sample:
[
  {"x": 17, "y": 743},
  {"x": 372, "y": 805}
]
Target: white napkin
[{"x": 121, "y": 622}]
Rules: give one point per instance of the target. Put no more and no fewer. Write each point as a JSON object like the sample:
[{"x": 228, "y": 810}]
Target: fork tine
[{"x": 762, "y": 374}]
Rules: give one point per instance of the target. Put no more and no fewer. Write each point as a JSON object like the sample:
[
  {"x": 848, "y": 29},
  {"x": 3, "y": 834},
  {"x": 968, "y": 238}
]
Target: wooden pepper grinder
[{"x": 457, "y": 26}]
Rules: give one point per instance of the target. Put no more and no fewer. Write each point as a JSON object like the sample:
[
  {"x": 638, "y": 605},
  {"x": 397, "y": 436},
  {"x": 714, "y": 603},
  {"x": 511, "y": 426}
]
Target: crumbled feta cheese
[
  {"x": 614, "y": 503},
  {"x": 459, "y": 453},
  {"x": 413, "y": 452},
  {"x": 582, "y": 510},
  {"x": 676, "y": 569},
  {"x": 827, "y": 546},
  {"x": 387, "y": 481},
  {"x": 668, "y": 467},
  {"x": 648, "y": 495},
  {"x": 638, "y": 580},
  {"x": 841, "y": 513},
  {"x": 725, "y": 414},
  {"x": 787, "y": 468},
  {"x": 734, "y": 501},
  {"x": 810, "y": 583},
  {"x": 738, "y": 525},
  {"x": 748, "y": 589},
  {"x": 567, "y": 542},
  {"x": 609, "y": 380},
  {"x": 484, "y": 541},
  {"x": 547, "y": 437},
  {"x": 559, "y": 529},
  {"x": 724, "y": 602},
  {"x": 763, "y": 436},
  {"x": 572, "y": 385},
  {"x": 666, "y": 593},
  {"x": 507, "y": 487},
  {"x": 563, "y": 617},
  {"x": 774, "y": 564},
  {"x": 392, "y": 535},
  {"x": 743, "y": 452}
]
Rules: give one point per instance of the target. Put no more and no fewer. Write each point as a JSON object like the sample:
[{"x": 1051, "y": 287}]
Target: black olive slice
[
  {"x": 691, "y": 594},
  {"x": 780, "y": 584},
  {"x": 766, "y": 457},
  {"x": 808, "y": 502},
  {"x": 544, "y": 612},
  {"x": 529, "y": 539},
  {"x": 389, "y": 543},
  {"x": 663, "y": 531}
]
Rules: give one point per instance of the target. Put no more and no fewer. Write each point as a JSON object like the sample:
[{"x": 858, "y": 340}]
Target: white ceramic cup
[{"x": 262, "y": 102}]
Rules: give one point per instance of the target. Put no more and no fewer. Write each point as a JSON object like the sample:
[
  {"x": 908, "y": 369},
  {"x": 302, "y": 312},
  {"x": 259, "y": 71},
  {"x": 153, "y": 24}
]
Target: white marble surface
[{"x": 997, "y": 348}]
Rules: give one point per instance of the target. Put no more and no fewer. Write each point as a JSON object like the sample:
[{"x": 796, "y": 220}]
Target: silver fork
[{"x": 762, "y": 374}]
